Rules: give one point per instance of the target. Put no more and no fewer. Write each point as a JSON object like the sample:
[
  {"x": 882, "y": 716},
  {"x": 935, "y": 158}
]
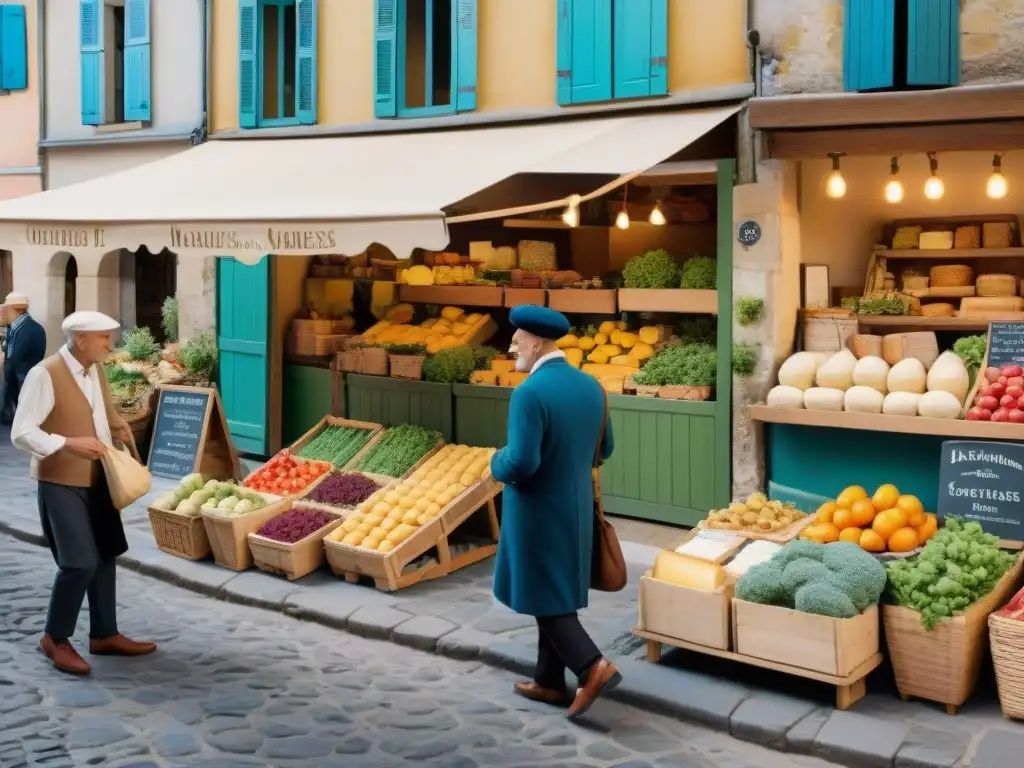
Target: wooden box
[
  {"x": 590, "y": 301},
  {"x": 333, "y": 421},
  {"x": 680, "y": 300},
  {"x": 516, "y": 296},
  {"x": 689, "y": 615},
  {"x": 453, "y": 295},
  {"x": 292, "y": 560},
  {"x": 229, "y": 535},
  {"x": 796, "y": 639}
]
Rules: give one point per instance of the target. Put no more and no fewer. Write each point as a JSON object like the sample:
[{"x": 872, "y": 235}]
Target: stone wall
[
  {"x": 802, "y": 43},
  {"x": 197, "y": 296}
]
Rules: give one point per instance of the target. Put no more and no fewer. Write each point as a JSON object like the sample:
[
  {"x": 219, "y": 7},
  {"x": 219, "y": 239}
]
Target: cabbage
[
  {"x": 211, "y": 485},
  {"x": 167, "y": 501},
  {"x": 224, "y": 490},
  {"x": 188, "y": 508},
  {"x": 193, "y": 482},
  {"x": 181, "y": 493},
  {"x": 228, "y": 503},
  {"x": 243, "y": 506}
]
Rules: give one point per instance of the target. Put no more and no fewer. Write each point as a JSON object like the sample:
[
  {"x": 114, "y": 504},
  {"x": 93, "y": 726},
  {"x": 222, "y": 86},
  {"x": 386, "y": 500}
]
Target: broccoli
[
  {"x": 798, "y": 549},
  {"x": 856, "y": 572},
  {"x": 824, "y": 599},
  {"x": 803, "y": 571},
  {"x": 763, "y": 584}
]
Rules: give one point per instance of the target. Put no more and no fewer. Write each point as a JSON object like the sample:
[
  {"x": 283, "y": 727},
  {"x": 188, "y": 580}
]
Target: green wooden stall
[
  {"x": 307, "y": 399},
  {"x": 481, "y": 414},
  {"x": 397, "y": 401}
]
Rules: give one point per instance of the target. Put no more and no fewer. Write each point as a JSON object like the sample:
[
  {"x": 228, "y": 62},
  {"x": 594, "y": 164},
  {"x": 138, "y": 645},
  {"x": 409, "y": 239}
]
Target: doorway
[
  {"x": 156, "y": 278},
  {"x": 70, "y": 280}
]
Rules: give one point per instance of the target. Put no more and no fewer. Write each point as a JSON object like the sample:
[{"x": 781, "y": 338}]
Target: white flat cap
[
  {"x": 88, "y": 321},
  {"x": 15, "y": 299}
]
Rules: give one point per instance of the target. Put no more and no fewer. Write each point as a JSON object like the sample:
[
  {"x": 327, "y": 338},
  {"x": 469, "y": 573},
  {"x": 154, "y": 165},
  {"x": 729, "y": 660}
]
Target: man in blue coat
[
  {"x": 25, "y": 347},
  {"x": 555, "y": 421}
]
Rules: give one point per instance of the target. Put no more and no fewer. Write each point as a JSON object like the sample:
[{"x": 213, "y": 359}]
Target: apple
[
  {"x": 1011, "y": 369},
  {"x": 989, "y": 402},
  {"x": 1017, "y": 416},
  {"x": 992, "y": 374},
  {"x": 1001, "y": 414}
]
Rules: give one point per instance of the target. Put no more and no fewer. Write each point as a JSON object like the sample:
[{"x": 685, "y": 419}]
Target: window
[
  {"x": 277, "y": 65},
  {"x": 426, "y": 61},
  {"x": 115, "y": 55},
  {"x": 13, "y": 48},
  {"x": 611, "y": 49},
  {"x": 901, "y": 44}
]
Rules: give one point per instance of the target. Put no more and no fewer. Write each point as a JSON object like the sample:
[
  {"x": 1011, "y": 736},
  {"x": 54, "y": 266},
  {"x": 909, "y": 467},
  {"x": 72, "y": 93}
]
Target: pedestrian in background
[
  {"x": 67, "y": 422},
  {"x": 24, "y": 347},
  {"x": 556, "y": 420}
]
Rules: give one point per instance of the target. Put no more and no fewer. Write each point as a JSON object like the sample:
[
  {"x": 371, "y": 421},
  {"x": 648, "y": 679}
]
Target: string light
[
  {"x": 996, "y": 188},
  {"x": 571, "y": 216},
  {"x": 934, "y": 189},
  {"x": 622, "y": 220},
  {"x": 894, "y": 189},
  {"x": 657, "y": 217},
  {"x": 835, "y": 184}
]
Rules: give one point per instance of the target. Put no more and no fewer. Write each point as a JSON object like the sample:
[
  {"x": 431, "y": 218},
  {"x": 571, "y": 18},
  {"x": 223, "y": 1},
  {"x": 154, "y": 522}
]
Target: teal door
[{"x": 243, "y": 327}]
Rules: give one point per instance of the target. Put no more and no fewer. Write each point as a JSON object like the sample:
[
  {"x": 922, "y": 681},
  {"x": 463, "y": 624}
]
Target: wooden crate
[
  {"x": 333, "y": 421},
  {"x": 590, "y": 301},
  {"x": 376, "y": 438},
  {"x": 452, "y": 295},
  {"x": 179, "y": 535},
  {"x": 516, "y": 296},
  {"x": 229, "y": 535},
  {"x": 679, "y": 300},
  {"x": 689, "y": 615},
  {"x": 304, "y": 500},
  {"x": 482, "y": 332},
  {"x": 292, "y": 560}
]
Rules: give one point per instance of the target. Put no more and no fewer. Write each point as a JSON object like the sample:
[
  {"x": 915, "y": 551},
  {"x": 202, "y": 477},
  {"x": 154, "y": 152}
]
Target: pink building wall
[{"x": 19, "y": 124}]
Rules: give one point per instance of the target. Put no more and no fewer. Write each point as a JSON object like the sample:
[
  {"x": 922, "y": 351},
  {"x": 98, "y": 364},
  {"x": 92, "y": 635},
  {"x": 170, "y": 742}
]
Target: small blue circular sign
[{"x": 748, "y": 233}]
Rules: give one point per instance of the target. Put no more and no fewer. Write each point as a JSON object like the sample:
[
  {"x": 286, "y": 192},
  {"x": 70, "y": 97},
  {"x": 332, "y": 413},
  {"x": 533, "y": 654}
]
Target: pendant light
[
  {"x": 894, "y": 189},
  {"x": 996, "y": 188},
  {"x": 934, "y": 189},
  {"x": 622, "y": 220},
  {"x": 835, "y": 184},
  {"x": 571, "y": 216},
  {"x": 657, "y": 217}
]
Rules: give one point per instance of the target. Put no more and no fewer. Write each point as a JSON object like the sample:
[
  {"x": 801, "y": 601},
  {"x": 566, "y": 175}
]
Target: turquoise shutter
[
  {"x": 243, "y": 328},
  {"x": 465, "y": 38},
  {"x": 385, "y": 58},
  {"x": 933, "y": 42},
  {"x": 591, "y": 50},
  {"x": 137, "y": 38},
  {"x": 248, "y": 39},
  {"x": 640, "y": 48},
  {"x": 306, "y": 48},
  {"x": 90, "y": 28},
  {"x": 659, "y": 47},
  {"x": 564, "y": 53},
  {"x": 868, "y": 33},
  {"x": 13, "y": 48}
]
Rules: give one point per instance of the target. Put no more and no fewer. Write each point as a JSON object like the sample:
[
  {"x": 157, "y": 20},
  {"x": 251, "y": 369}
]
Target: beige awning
[{"x": 330, "y": 195}]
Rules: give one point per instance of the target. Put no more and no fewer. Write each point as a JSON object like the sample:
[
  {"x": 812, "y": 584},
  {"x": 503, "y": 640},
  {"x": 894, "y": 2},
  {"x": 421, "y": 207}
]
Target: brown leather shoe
[
  {"x": 528, "y": 689},
  {"x": 63, "y": 656},
  {"x": 119, "y": 645},
  {"x": 603, "y": 676}
]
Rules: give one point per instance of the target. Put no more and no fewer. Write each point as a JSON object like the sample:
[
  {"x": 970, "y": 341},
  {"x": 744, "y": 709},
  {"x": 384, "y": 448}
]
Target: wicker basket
[
  {"x": 1006, "y": 638},
  {"x": 312, "y": 327},
  {"x": 645, "y": 390},
  {"x": 684, "y": 393},
  {"x": 406, "y": 366},
  {"x": 997, "y": 234},
  {"x": 229, "y": 535},
  {"x": 292, "y": 560},
  {"x": 179, "y": 535},
  {"x": 951, "y": 276},
  {"x": 373, "y": 361}
]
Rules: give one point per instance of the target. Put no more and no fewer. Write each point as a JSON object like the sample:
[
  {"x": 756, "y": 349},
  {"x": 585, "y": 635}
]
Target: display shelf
[
  {"x": 457, "y": 295},
  {"x": 951, "y": 253},
  {"x": 932, "y": 323},
  {"x": 679, "y": 300},
  {"x": 877, "y": 422}
]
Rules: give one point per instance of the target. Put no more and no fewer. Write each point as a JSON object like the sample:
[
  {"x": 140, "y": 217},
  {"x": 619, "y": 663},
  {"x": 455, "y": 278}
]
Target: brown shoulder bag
[{"x": 607, "y": 565}]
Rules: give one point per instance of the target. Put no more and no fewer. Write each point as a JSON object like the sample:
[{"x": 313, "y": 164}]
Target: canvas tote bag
[
  {"x": 127, "y": 480},
  {"x": 607, "y": 565}
]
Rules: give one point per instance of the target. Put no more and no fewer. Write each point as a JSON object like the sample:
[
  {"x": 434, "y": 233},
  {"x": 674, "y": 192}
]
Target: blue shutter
[
  {"x": 248, "y": 39},
  {"x": 659, "y": 47},
  {"x": 306, "y": 48},
  {"x": 933, "y": 42},
  {"x": 13, "y": 48},
  {"x": 385, "y": 58},
  {"x": 137, "y": 38},
  {"x": 868, "y": 33},
  {"x": 640, "y": 48},
  {"x": 564, "y": 53},
  {"x": 464, "y": 39},
  {"x": 591, "y": 50},
  {"x": 90, "y": 28}
]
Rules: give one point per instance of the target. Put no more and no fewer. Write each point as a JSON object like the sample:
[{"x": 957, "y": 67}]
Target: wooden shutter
[
  {"x": 640, "y": 55},
  {"x": 385, "y": 58},
  {"x": 591, "y": 51},
  {"x": 13, "y": 48},
  {"x": 564, "y": 53},
  {"x": 306, "y": 63},
  {"x": 868, "y": 51},
  {"x": 137, "y": 65},
  {"x": 933, "y": 42},
  {"x": 90, "y": 27},
  {"x": 248, "y": 59},
  {"x": 464, "y": 40}
]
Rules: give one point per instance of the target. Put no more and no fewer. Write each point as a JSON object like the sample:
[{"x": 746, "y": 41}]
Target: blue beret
[{"x": 540, "y": 321}]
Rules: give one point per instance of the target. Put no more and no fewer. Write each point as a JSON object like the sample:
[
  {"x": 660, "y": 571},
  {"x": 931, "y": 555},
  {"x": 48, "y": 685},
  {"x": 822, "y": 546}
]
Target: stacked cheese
[{"x": 454, "y": 328}]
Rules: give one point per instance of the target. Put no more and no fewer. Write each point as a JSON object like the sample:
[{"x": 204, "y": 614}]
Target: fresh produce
[
  {"x": 391, "y": 515},
  {"x": 824, "y": 399},
  {"x": 1013, "y": 609},
  {"x": 908, "y": 375},
  {"x": 901, "y": 404},
  {"x": 839, "y": 580},
  {"x": 971, "y": 349},
  {"x": 744, "y": 360},
  {"x": 785, "y": 397},
  {"x": 871, "y": 372},
  {"x": 691, "y": 365},
  {"x": 700, "y": 273},
  {"x": 337, "y": 445},
  {"x": 454, "y": 328},
  {"x": 397, "y": 450},
  {"x": 1000, "y": 396},
  {"x": 294, "y": 525},
  {"x": 450, "y": 366},
  {"x": 139, "y": 344},
  {"x": 126, "y": 384},
  {"x": 837, "y": 371},
  {"x": 192, "y": 494},
  {"x": 887, "y": 521},
  {"x": 654, "y": 269},
  {"x": 199, "y": 356},
  {"x": 283, "y": 475},
  {"x": 757, "y": 513},
  {"x": 958, "y": 567},
  {"x": 749, "y": 310},
  {"x": 863, "y": 400},
  {"x": 939, "y": 405},
  {"x": 798, "y": 370},
  {"x": 347, "y": 490},
  {"x": 949, "y": 374}
]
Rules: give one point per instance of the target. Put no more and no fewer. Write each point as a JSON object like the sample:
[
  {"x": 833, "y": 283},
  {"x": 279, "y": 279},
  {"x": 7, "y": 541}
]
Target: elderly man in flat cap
[
  {"x": 66, "y": 421},
  {"x": 543, "y": 566},
  {"x": 25, "y": 347}
]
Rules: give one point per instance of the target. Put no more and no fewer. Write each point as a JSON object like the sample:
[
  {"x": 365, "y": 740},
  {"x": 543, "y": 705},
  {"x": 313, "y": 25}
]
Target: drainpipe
[
  {"x": 200, "y": 133},
  {"x": 41, "y": 86},
  {"x": 747, "y": 166}
]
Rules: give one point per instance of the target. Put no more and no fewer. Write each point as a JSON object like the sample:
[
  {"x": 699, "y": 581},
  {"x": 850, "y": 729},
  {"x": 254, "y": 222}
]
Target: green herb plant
[
  {"x": 700, "y": 273},
  {"x": 698, "y": 329},
  {"x": 398, "y": 449},
  {"x": 882, "y": 305},
  {"x": 654, "y": 269},
  {"x": 749, "y": 310},
  {"x": 971, "y": 349},
  {"x": 450, "y": 366},
  {"x": 484, "y": 356},
  {"x": 199, "y": 356},
  {"x": 744, "y": 360},
  {"x": 169, "y": 319},
  {"x": 139, "y": 344},
  {"x": 685, "y": 365},
  {"x": 406, "y": 349}
]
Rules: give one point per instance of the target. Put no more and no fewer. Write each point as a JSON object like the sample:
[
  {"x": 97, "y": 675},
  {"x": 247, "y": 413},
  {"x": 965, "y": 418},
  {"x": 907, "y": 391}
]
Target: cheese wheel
[{"x": 689, "y": 572}]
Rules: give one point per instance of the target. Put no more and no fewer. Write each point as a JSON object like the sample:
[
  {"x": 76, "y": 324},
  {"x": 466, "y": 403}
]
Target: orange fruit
[
  {"x": 870, "y": 541},
  {"x": 825, "y": 512},
  {"x": 917, "y": 519},
  {"x": 850, "y": 495},
  {"x": 886, "y": 524},
  {"x": 829, "y": 533},
  {"x": 851, "y": 535},
  {"x": 903, "y": 540},
  {"x": 899, "y": 516},
  {"x": 885, "y": 497},
  {"x": 843, "y": 518},
  {"x": 910, "y": 504},
  {"x": 927, "y": 529},
  {"x": 863, "y": 512}
]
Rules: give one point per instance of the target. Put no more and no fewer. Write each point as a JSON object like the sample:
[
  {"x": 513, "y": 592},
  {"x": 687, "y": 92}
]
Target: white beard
[{"x": 523, "y": 365}]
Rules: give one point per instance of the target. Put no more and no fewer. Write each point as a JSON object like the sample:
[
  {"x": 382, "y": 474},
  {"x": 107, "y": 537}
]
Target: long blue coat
[{"x": 547, "y": 525}]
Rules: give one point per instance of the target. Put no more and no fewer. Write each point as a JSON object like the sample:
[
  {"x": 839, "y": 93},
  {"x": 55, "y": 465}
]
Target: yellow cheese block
[
  {"x": 513, "y": 379},
  {"x": 483, "y": 377},
  {"x": 503, "y": 366},
  {"x": 689, "y": 572}
]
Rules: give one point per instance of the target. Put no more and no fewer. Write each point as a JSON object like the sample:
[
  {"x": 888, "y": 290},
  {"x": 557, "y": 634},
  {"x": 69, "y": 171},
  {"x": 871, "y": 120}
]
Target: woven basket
[
  {"x": 179, "y": 535},
  {"x": 537, "y": 256},
  {"x": 906, "y": 238},
  {"x": 229, "y": 535},
  {"x": 1006, "y": 638},
  {"x": 292, "y": 560},
  {"x": 312, "y": 327},
  {"x": 406, "y": 366},
  {"x": 967, "y": 236},
  {"x": 997, "y": 234},
  {"x": 938, "y": 309},
  {"x": 951, "y": 276},
  {"x": 373, "y": 361},
  {"x": 684, "y": 393}
]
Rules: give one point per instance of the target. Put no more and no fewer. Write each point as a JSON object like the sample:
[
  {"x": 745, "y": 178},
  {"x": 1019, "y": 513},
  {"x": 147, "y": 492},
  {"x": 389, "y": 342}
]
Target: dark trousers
[
  {"x": 563, "y": 643},
  {"x": 11, "y": 390}
]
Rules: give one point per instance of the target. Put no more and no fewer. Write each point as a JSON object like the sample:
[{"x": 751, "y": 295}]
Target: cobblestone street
[{"x": 233, "y": 687}]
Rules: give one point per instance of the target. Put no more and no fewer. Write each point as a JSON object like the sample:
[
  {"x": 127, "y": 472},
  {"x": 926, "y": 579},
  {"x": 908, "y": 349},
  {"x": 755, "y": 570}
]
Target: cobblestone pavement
[{"x": 233, "y": 687}]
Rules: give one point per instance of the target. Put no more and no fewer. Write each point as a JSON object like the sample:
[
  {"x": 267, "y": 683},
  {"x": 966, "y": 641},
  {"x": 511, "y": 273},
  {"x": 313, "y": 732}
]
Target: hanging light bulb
[
  {"x": 894, "y": 189},
  {"x": 835, "y": 184},
  {"x": 657, "y": 217},
  {"x": 934, "y": 189},
  {"x": 571, "y": 216},
  {"x": 622, "y": 220},
  {"x": 996, "y": 188}
]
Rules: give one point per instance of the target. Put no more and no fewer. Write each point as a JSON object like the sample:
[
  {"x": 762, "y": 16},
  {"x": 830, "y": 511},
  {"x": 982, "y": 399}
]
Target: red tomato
[
  {"x": 989, "y": 402},
  {"x": 1008, "y": 401},
  {"x": 1015, "y": 381},
  {"x": 992, "y": 374},
  {"x": 1017, "y": 416},
  {"x": 1014, "y": 391},
  {"x": 1011, "y": 369},
  {"x": 1001, "y": 414}
]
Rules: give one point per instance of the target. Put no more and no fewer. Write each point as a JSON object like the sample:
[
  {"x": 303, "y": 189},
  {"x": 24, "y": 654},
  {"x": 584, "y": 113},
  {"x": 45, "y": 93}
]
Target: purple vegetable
[
  {"x": 344, "y": 490},
  {"x": 294, "y": 525}
]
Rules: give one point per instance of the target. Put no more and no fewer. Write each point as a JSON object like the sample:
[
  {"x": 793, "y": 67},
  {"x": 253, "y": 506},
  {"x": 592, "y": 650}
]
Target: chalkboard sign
[
  {"x": 1005, "y": 344},
  {"x": 179, "y": 432},
  {"x": 748, "y": 233},
  {"x": 984, "y": 482}
]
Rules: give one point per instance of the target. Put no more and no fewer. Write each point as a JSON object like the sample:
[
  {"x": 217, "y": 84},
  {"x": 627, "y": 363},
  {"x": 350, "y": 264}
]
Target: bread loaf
[
  {"x": 866, "y": 345},
  {"x": 922, "y": 345}
]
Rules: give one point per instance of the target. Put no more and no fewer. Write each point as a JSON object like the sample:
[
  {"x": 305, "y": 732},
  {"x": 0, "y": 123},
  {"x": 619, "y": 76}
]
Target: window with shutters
[
  {"x": 115, "y": 61},
  {"x": 13, "y": 48}
]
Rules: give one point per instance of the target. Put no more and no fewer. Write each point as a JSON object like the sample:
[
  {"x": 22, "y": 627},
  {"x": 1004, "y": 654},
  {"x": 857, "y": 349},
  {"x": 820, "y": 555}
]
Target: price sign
[
  {"x": 748, "y": 233},
  {"x": 191, "y": 435},
  {"x": 1005, "y": 344},
  {"x": 984, "y": 481}
]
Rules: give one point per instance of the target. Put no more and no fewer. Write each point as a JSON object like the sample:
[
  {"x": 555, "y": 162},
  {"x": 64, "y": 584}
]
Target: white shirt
[
  {"x": 545, "y": 358},
  {"x": 36, "y": 400}
]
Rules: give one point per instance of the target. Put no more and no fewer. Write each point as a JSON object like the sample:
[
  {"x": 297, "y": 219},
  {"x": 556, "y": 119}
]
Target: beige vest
[{"x": 71, "y": 417}]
